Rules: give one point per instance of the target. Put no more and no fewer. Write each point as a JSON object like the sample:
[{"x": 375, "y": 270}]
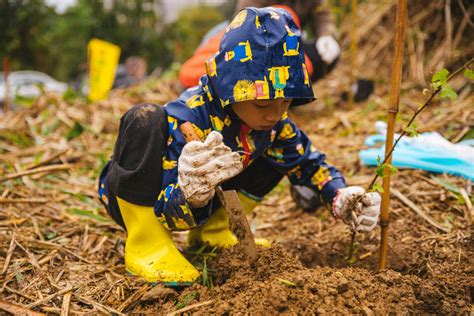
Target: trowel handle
[
  {"x": 188, "y": 132},
  {"x": 230, "y": 201}
]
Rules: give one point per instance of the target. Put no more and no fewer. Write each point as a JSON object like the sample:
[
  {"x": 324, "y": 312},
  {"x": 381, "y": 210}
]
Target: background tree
[{"x": 190, "y": 27}]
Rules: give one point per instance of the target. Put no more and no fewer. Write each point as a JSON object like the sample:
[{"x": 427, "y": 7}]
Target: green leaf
[
  {"x": 448, "y": 220},
  {"x": 439, "y": 79},
  {"x": 70, "y": 95},
  {"x": 393, "y": 169},
  {"x": 51, "y": 235},
  {"x": 186, "y": 299},
  {"x": 286, "y": 282},
  {"x": 469, "y": 74},
  {"x": 88, "y": 214},
  {"x": 74, "y": 132},
  {"x": 441, "y": 76},
  {"x": 377, "y": 188},
  {"x": 460, "y": 199},
  {"x": 448, "y": 93},
  {"x": 412, "y": 130},
  {"x": 380, "y": 170},
  {"x": 447, "y": 185}
]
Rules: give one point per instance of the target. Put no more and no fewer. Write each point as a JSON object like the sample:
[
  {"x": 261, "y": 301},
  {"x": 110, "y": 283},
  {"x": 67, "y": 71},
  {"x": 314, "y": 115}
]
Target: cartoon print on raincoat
[{"x": 275, "y": 70}]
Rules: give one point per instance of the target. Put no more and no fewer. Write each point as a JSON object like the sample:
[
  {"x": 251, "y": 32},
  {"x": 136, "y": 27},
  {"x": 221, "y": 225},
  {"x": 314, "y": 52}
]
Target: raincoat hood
[{"x": 260, "y": 57}]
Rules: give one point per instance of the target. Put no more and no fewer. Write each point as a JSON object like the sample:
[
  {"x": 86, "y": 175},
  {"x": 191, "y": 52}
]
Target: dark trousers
[
  {"x": 320, "y": 67},
  {"x": 134, "y": 172}
]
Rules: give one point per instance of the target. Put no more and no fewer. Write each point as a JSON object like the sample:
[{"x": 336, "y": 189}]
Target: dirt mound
[{"x": 281, "y": 284}]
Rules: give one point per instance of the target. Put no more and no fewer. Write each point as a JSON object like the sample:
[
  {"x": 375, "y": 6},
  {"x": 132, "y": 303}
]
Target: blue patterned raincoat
[{"x": 260, "y": 58}]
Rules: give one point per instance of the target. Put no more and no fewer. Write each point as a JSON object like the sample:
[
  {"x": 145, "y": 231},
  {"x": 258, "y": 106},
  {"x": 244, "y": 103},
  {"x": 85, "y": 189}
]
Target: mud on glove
[
  {"x": 203, "y": 166},
  {"x": 366, "y": 211}
]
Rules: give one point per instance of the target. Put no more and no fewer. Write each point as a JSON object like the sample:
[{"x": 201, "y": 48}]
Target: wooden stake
[
  {"x": 392, "y": 114},
  {"x": 354, "y": 12}
]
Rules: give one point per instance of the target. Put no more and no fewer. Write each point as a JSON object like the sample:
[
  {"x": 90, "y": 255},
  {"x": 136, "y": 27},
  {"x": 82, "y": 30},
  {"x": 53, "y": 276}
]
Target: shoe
[
  {"x": 216, "y": 232},
  {"x": 362, "y": 90},
  {"x": 150, "y": 251},
  {"x": 306, "y": 198}
]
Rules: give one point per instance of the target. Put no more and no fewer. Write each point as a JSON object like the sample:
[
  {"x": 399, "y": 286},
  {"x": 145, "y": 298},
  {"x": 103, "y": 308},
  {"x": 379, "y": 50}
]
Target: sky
[
  {"x": 60, "y": 5},
  {"x": 171, "y": 8}
]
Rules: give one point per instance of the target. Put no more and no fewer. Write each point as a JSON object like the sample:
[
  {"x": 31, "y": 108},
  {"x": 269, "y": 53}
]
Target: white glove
[
  {"x": 366, "y": 212},
  {"x": 328, "y": 48},
  {"x": 203, "y": 166}
]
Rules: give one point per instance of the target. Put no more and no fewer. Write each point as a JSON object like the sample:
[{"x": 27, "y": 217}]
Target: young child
[{"x": 155, "y": 183}]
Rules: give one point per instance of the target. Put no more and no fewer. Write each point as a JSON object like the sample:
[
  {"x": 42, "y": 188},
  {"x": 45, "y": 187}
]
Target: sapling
[{"x": 439, "y": 85}]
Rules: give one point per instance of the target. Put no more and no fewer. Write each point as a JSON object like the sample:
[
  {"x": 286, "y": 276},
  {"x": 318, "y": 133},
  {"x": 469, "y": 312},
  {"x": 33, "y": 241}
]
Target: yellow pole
[{"x": 392, "y": 113}]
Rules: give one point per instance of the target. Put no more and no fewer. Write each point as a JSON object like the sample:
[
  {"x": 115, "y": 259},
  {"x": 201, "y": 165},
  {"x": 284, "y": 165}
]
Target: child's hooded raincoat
[{"x": 260, "y": 58}]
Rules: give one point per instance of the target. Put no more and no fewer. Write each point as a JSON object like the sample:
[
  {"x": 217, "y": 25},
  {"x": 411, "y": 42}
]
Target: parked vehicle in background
[{"x": 29, "y": 84}]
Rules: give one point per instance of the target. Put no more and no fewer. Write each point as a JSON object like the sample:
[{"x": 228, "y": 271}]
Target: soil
[{"x": 306, "y": 272}]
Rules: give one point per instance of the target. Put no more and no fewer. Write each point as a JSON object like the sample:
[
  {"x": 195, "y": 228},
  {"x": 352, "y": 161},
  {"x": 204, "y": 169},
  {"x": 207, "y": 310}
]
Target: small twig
[
  {"x": 59, "y": 247},
  {"x": 187, "y": 308},
  {"x": 24, "y": 201},
  {"x": 468, "y": 204},
  {"x": 134, "y": 298},
  {"x": 418, "y": 211},
  {"x": 36, "y": 170},
  {"x": 9, "y": 254},
  {"x": 50, "y": 297},
  {"x": 466, "y": 14},
  {"x": 97, "y": 305},
  {"x": 31, "y": 257},
  {"x": 66, "y": 303},
  {"x": 17, "y": 309},
  {"x": 47, "y": 160}
]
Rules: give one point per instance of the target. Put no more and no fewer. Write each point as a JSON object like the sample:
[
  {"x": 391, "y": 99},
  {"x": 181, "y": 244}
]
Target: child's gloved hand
[
  {"x": 328, "y": 48},
  {"x": 203, "y": 166},
  {"x": 366, "y": 212}
]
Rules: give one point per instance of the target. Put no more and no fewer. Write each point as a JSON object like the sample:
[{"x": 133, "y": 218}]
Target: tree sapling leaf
[
  {"x": 469, "y": 74},
  {"x": 377, "y": 188},
  {"x": 448, "y": 93}
]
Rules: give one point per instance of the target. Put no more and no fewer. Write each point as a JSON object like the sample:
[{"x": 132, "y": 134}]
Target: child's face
[{"x": 261, "y": 114}]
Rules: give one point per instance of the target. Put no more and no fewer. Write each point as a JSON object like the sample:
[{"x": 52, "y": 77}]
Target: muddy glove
[
  {"x": 366, "y": 212},
  {"x": 203, "y": 166},
  {"x": 328, "y": 48}
]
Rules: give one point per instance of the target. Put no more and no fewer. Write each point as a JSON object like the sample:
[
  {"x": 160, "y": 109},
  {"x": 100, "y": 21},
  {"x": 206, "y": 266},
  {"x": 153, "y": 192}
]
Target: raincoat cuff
[{"x": 329, "y": 190}]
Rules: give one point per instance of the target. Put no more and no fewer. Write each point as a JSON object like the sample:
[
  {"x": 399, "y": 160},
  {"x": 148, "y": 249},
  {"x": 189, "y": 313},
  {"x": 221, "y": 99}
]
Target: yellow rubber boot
[
  {"x": 150, "y": 251},
  {"x": 216, "y": 233}
]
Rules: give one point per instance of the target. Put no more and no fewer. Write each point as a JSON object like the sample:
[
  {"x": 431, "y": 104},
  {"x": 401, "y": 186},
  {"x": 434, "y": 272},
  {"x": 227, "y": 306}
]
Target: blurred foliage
[
  {"x": 189, "y": 28},
  {"x": 23, "y": 28},
  {"x": 34, "y": 36}
]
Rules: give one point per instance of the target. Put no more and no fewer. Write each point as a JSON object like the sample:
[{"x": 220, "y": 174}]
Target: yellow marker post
[{"x": 103, "y": 61}]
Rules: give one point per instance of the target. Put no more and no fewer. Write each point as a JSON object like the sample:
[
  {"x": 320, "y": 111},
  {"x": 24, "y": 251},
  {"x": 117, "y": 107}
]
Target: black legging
[{"x": 134, "y": 172}]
